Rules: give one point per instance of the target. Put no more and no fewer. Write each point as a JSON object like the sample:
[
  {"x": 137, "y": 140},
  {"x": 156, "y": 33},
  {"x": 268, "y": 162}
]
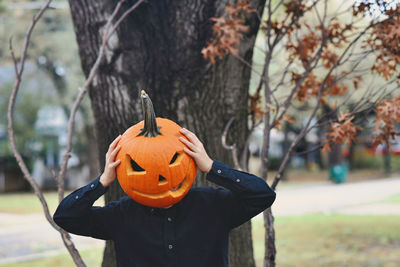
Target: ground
[{"x": 304, "y": 213}]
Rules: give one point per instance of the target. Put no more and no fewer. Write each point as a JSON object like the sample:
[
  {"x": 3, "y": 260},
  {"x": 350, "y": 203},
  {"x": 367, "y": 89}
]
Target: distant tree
[
  {"x": 24, "y": 122},
  {"x": 317, "y": 54},
  {"x": 55, "y": 54}
]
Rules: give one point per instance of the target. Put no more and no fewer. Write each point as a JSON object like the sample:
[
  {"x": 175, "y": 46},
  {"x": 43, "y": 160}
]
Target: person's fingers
[
  {"x": 114, "y": 152},
  {"x": 111, "y": 147},
  {"x": 115, "y": 164},
  {"x": 191, "y": 136},
  {"x": 188, "y": 143},
  {"x": 195, "y": 138},
  {"x": 186, "y": 133},
  {"x": 189, "y": 152},
  {"x": 114, "y": 143}
]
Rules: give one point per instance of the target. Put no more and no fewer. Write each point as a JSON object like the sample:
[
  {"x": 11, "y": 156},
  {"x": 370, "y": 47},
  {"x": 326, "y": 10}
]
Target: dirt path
[
  {"x": 29, "y": 236},
  {"x": 349, "y": 198}
]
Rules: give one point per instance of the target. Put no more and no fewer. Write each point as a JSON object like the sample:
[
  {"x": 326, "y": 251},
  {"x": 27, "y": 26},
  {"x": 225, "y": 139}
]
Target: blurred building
[{"x": 46, "y": 149}]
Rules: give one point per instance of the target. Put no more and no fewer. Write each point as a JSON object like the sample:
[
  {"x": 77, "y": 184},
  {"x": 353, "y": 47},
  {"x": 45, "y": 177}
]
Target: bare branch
[
  {"x": 87, "y": 83},
  {"x": 15, "y": 63},
  {"x": 283, "y": 76},
  {"x": 277, "y": 6},
  {"x": 314, "y": 62},
  {"x": 243, "y": 159},
  {"x": 230, "y": 147},
  {"x": 308, "y": 151},
  {"x": 10, "y": 113},
  {"x": 304, "y": 130},
  {"x": 368, "y": 106},
  {"x": 248, "y": 65},
  {"x": 269, "y": 24}
]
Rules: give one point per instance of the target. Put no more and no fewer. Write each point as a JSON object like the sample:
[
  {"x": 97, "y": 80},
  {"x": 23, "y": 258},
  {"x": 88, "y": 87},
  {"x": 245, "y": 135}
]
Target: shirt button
[
  {"x": 92, "y": 185},
  {"x": 238, "y": 180},
  {"x": 76, "y": 197},
  {"x": 169, "y": 219},
  {"x": 219, "y": 171},
  {"x": 170, "y": 246}
]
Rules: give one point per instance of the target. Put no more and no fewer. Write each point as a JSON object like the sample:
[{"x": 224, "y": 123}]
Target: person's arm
[
  {"x": 247, "y": 194},
  {"x": 75, "y": 213}
]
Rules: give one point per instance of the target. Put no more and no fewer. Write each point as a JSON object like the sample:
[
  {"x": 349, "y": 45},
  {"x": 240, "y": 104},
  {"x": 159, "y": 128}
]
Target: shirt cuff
[
  {"x": 92, "y": 191},
  {"x": 220, "y": 172}
]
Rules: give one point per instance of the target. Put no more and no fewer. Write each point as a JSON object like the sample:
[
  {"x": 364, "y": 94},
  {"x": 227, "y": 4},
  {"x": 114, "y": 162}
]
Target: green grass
[
  {"x": 393, "y": 199},
  {"x": 92, "y": 257},
  {"x": 335, "y": 240},
  {"x": 29, "y": 203},
  {"x": 26, "y": 202}
]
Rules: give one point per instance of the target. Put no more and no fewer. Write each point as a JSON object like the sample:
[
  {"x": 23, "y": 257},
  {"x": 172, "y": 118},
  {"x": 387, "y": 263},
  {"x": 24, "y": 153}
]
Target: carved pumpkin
[{"x": 154, "y": 169}]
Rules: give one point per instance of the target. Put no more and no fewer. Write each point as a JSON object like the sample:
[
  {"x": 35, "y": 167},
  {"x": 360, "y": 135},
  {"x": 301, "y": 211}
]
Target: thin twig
[
  {"x": 230, "y": 147},
  {"x": 18, "y": 73},
  {"x": 245, "y": 151},
  {"x": 85, "y": 87},
  {"x": 10, "y": 114}
]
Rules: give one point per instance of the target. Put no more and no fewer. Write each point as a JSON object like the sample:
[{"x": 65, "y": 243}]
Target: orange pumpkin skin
[{"x": 155, "y": 185}]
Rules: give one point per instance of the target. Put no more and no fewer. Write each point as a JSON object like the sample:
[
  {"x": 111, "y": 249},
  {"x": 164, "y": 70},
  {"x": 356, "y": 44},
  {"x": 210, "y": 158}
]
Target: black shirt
[{"x": 193, "y": 232}]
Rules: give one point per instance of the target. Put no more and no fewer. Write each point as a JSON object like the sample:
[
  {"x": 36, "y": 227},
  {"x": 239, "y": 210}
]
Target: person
[{"x": 193, "y": 232}]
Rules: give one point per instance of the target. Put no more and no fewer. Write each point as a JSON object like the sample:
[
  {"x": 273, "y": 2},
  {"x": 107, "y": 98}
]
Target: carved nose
[{"x": 161, "y": 179}]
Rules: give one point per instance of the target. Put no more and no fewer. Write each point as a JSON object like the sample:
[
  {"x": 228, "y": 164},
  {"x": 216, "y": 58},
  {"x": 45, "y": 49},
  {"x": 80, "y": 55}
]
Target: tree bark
[
  {"x": 386, "y": 159},
  {"x": 270, "y": 249},
  {"x": 158, "y": 48}
]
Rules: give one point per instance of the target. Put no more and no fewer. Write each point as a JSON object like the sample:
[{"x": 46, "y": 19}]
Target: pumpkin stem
[{"x": 150, "y": 128}]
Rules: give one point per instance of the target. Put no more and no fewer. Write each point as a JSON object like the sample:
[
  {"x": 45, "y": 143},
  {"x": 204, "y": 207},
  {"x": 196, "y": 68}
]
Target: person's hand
[
  {"x": 109, "y": 175},
  {"x": 196, "y": 150}
]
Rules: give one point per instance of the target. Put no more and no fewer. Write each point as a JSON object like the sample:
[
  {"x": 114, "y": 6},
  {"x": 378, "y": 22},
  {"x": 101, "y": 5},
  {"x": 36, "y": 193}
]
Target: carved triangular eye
[
  {"x": 136, "y": 166},
  {"x": 174, "y": 158}
]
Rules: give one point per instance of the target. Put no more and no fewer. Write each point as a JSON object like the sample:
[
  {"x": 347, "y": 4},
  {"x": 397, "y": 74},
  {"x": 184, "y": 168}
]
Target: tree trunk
[
  {"x": 335, "y": 156},
  {"x": 351, "y": 157},
  {"x": 321, "y": 139},
  {"x": 386, "y": 159},
  {"x": 91, "y": 151},
  {"x": 270, "y": 248},
  {"x": 158, "y": 48}
]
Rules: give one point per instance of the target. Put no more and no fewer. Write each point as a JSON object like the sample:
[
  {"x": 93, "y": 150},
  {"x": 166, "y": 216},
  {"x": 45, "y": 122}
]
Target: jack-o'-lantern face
[{"x": 154, "y": 170}]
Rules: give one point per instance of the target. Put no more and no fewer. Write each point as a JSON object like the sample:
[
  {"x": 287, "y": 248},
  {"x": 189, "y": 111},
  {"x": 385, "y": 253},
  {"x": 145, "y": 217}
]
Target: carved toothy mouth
[
  {"x": 174, "y": 192},
  {"x": 179, "y": 186}
]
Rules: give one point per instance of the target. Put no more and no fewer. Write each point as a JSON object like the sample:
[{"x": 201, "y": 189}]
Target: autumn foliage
[
  {"x": 228, "y": 31},
  {"x": 384, "y": 38},
  {"x": 320, "y": 59},
  {"x": 387, "y": 117},
  {"x": 323, "y": 58},
  {"x": 343, "y": 131}
]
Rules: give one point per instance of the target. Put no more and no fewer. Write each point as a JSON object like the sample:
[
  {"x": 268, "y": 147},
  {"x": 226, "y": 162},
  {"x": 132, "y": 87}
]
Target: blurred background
[{"x": 340, "y": 210}]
